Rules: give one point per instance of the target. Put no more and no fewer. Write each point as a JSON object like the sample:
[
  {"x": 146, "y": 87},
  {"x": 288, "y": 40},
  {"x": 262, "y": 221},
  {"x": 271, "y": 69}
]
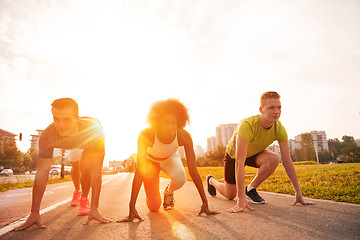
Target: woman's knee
[
  {"x": 178, "y": 181},
  {"x": 153, "y": 204}
]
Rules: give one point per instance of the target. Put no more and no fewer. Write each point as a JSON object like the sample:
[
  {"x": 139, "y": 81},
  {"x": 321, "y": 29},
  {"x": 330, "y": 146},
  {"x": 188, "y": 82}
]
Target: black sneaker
[
  {"x": 254, "y": 196},
  {"x": 211, "y": 188}
]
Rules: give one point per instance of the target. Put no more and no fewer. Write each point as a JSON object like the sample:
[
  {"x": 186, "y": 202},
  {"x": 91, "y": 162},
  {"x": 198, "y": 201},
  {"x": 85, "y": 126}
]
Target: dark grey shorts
[{"x": 229, "y": 167}]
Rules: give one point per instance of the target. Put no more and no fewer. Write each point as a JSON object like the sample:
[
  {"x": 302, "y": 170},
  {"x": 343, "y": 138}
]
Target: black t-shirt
[{"x": 89, "y": 137}]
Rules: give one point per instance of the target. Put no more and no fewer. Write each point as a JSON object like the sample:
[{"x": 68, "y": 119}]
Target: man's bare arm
[
  {"x": 41, "y": 178},
  {"x": 290, "y": 171},
  {"x": 241, "y": 151}
]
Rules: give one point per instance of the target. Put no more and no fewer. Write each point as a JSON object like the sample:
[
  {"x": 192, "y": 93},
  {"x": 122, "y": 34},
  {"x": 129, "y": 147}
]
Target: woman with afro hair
[{"x": 157, "y": 150}]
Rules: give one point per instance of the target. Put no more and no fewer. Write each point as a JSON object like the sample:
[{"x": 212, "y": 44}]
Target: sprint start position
[
  {"x": 248, "y": 147},
  {"x": 157, "y": 150},
  {"x": 69, "y": 131}
]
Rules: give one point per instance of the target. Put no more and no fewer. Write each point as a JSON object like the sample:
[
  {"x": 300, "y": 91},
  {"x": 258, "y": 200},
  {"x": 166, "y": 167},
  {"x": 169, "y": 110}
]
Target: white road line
[
  {"x": 312, "y": 199},
  {"x": 60, "y": 187},
  {"x": 20, "y": 221}
]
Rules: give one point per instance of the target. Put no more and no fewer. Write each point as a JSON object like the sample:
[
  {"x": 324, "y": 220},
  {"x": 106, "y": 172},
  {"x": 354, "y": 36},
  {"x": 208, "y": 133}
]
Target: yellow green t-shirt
[{"x": 256, "y": 136}]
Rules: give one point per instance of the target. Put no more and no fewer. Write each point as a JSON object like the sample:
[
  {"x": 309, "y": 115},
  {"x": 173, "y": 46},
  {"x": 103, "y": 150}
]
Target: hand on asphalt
[
  {"x": 95, "y": 215},
  {"x": 34, "y": 218},
  {"x": 241, "y": 206},
  {"x": 205, "y": 209},
  {"x": 133, "y": 214},
  {"x": 301, "y": 200}
]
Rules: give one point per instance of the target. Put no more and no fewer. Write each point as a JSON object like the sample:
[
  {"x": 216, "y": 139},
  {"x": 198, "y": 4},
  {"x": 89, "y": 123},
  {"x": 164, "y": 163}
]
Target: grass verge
[
  {"x": 7, "y": 185},
  {"x": 337, "y": 182}
]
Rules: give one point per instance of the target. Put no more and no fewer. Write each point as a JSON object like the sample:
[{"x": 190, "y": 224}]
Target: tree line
[
  {"x": 346, "y": 150},
  {"x": 12, "y": 157}
]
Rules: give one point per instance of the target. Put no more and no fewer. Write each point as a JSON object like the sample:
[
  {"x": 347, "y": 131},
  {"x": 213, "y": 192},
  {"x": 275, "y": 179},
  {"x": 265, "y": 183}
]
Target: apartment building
[
  {"x": 6, "y": 138},
  {"x": 199, "y": 151},
  {"x": 211, "y": 144},
  {"x": 224, "y": 132},
  {"x": 35, "y": 140},
  {"x": 319, "y": 139}
]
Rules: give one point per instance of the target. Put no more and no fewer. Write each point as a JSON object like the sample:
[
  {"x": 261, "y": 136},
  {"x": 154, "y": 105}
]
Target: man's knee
[
  {"x": 230, "y": 191},
  {"x": 231, "y": 195},
  {"x": 274, "y": 160},
  {"x": 270, "y": 160}
]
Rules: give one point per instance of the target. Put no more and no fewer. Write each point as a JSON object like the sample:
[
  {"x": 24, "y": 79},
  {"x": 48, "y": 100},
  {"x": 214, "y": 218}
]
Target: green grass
[
  {"x": 7, "y": 185},
  {"x": 337, "y": 182}
]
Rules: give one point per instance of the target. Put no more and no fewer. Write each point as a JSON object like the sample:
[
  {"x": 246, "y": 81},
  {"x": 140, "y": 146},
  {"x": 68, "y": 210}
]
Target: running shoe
[
  {"x": 168, "y": 199},
  {"x": 211, "y": 188},
  {"x": 84, "y": 206},
  {"x": 254, "y": 196},
  {"x": 76, "y": 198}
]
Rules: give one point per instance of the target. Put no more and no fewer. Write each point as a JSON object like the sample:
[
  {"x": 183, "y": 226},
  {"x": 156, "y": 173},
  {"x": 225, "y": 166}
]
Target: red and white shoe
[
  {"x": 84, "y": 208},
  {"x": 76, "y": 198}
]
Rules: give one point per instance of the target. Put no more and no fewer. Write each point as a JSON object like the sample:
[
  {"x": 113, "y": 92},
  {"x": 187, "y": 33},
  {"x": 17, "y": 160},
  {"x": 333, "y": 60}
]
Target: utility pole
[
  {"x": 317, "y": 155},
  {"x": 62, "y": 163}
]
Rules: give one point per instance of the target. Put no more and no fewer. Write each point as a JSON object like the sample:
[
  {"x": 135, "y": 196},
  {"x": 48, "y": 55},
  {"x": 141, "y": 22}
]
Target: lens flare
[{"x": 180, "y": 231}]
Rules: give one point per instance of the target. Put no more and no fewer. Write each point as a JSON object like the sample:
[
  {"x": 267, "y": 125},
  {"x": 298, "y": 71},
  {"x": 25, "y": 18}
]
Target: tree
[
  {"x": 11, "y": 157},
  {"x": 307, "y": 145},
  {"x": 324, "y": 157},
  {"x": 348, "y": 139},
  {"x": 335, "y": 146},
  {"x": 297, "y": 155},
  {"x": 34, "y": 156},
  {"x": 352, "y": 151},
  {"x": 217, "y": 155},
  {"x": 346, "y": 147},
  {"x": 27, "y": 163}
]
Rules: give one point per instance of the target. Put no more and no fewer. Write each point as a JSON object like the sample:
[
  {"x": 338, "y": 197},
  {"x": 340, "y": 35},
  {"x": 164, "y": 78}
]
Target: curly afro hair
[{"x": 170, "y": 106}]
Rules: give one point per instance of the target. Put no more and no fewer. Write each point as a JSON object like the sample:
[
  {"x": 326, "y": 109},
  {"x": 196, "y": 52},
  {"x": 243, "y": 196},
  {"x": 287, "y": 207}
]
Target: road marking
[
  {"x": 60, "y": 187},
  {"x": 311, "y": 199},
  {"x": 20, "y": 221}
]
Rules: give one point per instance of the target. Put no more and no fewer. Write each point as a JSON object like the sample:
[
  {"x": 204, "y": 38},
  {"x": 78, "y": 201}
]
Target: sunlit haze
[{"x": 116, "y": 58}]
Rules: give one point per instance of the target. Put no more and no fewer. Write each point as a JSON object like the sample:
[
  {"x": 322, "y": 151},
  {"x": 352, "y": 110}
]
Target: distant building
[
  {"x": 35, "y": 140},
  {"x": 275, "y": 148},
  {"x": 116, "y": 165},
  {"x": 211, "y": 144},
  {"x": 357, "y": 142},
  {"x": 224, "y": 132},
  {"x": 294, "y": 144},
  {"x": 6, "y": 138},
  {"x": 199, "y": 151},
  {"x": 320, "y": 141}
]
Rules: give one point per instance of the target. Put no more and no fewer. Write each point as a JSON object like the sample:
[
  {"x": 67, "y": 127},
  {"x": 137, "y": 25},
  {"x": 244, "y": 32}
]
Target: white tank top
[{"x": 161, "y": 151}]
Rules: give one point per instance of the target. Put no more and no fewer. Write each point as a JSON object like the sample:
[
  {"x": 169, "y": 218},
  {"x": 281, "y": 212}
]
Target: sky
[{"x": 117, "y": 57}]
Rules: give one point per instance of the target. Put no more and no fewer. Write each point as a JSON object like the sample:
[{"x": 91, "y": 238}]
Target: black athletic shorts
[{"x": 229, "y": 167}]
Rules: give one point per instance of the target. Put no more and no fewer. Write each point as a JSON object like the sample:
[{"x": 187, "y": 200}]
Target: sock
[
  {"x": 249, "y": 188},
  {"x": 210, "y": 181}
]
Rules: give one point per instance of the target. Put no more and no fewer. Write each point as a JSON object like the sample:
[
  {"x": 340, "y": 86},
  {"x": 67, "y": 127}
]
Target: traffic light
[{"x": 20, "y": 137}]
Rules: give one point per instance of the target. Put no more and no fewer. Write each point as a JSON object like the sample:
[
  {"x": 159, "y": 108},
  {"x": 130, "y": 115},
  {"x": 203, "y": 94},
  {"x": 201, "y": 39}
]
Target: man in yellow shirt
[{"x": 248, "y": 147}]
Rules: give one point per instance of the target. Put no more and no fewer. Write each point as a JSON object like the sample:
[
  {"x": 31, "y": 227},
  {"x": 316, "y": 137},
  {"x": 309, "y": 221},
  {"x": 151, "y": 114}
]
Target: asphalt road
[{"x": 276, "y": 219}]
